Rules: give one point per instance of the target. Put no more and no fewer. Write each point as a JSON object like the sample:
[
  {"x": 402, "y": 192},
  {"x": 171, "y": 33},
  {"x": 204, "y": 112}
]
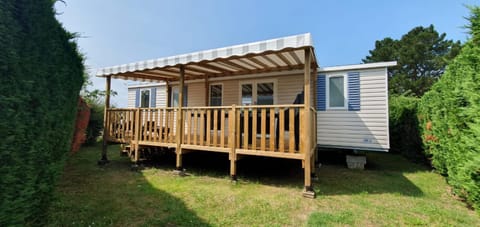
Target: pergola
[{"x": 283, "y": 54}]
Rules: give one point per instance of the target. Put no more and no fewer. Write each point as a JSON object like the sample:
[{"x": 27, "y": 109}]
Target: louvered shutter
[
  {"x": 321, "y": 92},
  {"x": 137, "y": 98},
  {"x": 353, "y": 91},
  {"x": 153, "y": 97}
]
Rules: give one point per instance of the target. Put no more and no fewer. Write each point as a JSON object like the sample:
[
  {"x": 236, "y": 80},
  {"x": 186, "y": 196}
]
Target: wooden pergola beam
[
  {"x": 189, "y": 68},
  {"x": 295, "y": 57},
  {"x": 149, "y": 76},
  {"x": 175, "y": 72},
  {"x": 245, "y": 61},
  {"x": 212, "y": 67},
  {"x": 281, "y": 68},
  {"x": 227, "y": 67},
  {"x": 197, "y": 71},
  {"x": 258, "y": 62},
  {"x": 271, "y": 61},
  {"x": 284, "y": 59},
  {"x": 235, "y": 65}
]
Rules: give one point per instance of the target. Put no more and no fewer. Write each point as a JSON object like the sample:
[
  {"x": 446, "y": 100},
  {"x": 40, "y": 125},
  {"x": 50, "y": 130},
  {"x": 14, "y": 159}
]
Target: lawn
[{"x": 391, "y": 191}]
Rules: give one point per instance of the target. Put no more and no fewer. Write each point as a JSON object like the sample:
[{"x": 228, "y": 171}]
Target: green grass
[{"x": 392, "y": 192}]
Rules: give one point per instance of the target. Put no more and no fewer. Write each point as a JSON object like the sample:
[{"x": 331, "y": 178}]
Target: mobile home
[{"x": 268, "y": 98}]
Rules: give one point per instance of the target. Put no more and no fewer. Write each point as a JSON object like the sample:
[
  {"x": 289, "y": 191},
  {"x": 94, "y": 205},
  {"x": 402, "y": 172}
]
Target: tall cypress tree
[{"x": 41, "y": 74}]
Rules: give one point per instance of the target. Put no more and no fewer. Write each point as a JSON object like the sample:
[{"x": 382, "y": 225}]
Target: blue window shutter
[
  {"x": 354, "y": 91},
  {"x": 321, "y": 92},
  {"x": 137, "y": 98},
  {"x": 185, "y": 95},
  {"x": 153, "y": 97}
]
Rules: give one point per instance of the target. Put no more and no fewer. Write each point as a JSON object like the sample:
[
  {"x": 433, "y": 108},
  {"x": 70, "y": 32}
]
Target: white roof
[
  {"x": 357, "y": 66},
  {"x": 149, "y": 68}
]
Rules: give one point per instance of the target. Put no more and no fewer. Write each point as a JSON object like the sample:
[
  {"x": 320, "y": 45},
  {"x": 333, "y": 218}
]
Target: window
[
  {"x": 265, "y": 93},
  {"x": 336, "y": 92},
  {"x": 257, "y": 93},
  {"x": 216, "y": 91},
  {"x": 247, "y": 94},
  {"x": 175, "y": 96},
  {"x": 145, "y": 98}
]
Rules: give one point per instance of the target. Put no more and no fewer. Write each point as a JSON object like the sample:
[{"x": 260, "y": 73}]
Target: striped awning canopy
[{"x": 280, "y": 54}]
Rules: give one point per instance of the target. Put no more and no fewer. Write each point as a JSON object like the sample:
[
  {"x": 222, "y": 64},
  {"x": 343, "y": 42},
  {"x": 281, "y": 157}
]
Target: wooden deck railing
[
  {"x": 157, "y": 125},
  {"x": 206, "y": 126},
  {"x": 270, "y": 130},
  {"x": 121, "y": 123}
]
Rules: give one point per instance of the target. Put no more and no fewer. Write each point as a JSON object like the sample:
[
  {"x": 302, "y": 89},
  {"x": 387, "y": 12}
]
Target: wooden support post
[
  {"x": 307, "y": 126},
  {"x": 180, "y": 123},
  {"x": 104, "y": 158},
  {"x": 231, "y": 142},
  {"x": 169, "y": 93},
  {"x": 207, "y": 91},
  {"x": 315, "y": 155}
]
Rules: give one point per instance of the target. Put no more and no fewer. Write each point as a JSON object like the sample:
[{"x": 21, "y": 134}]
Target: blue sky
[{"x": 122, "y": 31}]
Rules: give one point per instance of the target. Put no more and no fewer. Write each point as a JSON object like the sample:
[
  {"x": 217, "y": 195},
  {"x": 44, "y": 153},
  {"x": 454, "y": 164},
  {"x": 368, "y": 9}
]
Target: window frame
[
  {"x": 177, "y": 87},
  {"x": 149, "y": 97},
  {"x": 345, "y": 91},
  {"x": 210, "y": 93},
  {"x": 254, "y": 84}
]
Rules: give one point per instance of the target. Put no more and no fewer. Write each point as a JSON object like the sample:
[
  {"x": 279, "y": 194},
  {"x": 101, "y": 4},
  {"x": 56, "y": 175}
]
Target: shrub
[
  {"x": 403, "y": 124},
  {"x": 40, "y": 79},
  {"x": 450, "y": 119},
  {"x": 95, "y": 124}
]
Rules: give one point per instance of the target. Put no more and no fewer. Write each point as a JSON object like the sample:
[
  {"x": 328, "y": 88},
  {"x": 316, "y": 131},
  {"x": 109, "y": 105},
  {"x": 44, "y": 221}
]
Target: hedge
[
  {"x": 403, "y": 124},
  {"x": 40, "y": 79},
  {"x": 450, "y": 119}
]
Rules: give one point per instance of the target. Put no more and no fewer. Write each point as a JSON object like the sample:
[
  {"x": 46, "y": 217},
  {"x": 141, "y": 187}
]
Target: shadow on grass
[
  {"x": 384, "y": 172},
  {"x": 263, "y": 170},
  {"x": 88, "y": 195}
]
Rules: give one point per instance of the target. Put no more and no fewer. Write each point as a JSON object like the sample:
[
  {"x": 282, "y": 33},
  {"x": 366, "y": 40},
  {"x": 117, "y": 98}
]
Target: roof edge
[{"x": 358, "y": 66}]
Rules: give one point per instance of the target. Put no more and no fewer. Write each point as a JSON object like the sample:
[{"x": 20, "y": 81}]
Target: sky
[{"x": 114, "y": 32}]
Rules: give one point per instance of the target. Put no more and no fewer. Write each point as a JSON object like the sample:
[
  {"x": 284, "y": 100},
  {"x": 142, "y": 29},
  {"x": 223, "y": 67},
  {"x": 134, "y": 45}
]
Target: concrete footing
[
  {"x": 356, "y": 161},
  {"x": 180, "y": 172},
  {"x": 308, "y": 192}
]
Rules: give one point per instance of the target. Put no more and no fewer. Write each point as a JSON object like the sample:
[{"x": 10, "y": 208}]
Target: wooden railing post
[
  {"x": 136, "y": 138},
  {"x": 231, "y": 141}
]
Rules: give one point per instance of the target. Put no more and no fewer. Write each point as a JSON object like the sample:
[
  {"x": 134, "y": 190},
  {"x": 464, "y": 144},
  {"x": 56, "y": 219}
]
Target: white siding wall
[
  {"x": 161, "y": 100},
  {"x": 161, "y": 96},
  {"x": 364, "y": 129},
  {"x": 131, "y": 98}
]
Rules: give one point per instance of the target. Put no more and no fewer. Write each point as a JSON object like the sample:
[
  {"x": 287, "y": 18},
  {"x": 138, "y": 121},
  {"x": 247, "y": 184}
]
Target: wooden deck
[{"x": 271, "y": 131}]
